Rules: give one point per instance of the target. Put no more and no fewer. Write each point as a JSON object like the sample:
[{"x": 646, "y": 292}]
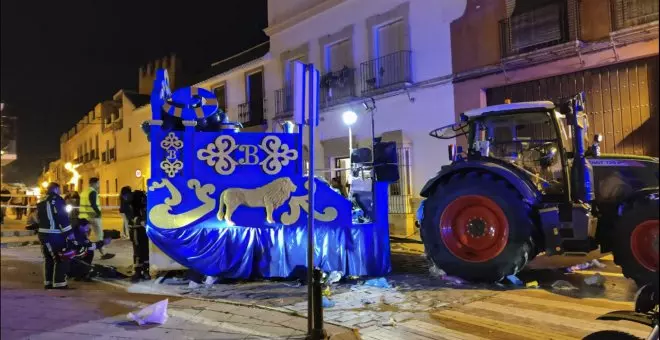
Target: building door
[
  {"x": 622, "y": 102},
  {"x": 255, "y": 94}
]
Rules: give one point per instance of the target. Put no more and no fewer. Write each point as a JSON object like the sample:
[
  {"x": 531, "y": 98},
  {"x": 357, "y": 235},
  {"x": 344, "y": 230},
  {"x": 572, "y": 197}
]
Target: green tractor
[{"x": 526, "y": 185}]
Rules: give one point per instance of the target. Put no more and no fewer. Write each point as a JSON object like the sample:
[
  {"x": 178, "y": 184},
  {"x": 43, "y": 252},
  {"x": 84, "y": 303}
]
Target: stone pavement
[
  {"x": 90, "y": 314},
  {"x": 99, "y": 311},
  {"x": 419, "y": 304}
]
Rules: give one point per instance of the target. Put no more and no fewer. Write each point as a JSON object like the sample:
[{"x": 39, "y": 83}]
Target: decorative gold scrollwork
[
  {"x": 171, "y": 141},
  {"x": 278, "y": 155},
  {"x": 171, "y": 165},
  {"x": 160, "y": 215},
  {"x": 218, "y": 154},
  {"x": 300, "y": 202}
]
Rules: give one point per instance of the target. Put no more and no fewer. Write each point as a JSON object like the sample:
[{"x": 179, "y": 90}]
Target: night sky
[{"x": 60, "y": 58}]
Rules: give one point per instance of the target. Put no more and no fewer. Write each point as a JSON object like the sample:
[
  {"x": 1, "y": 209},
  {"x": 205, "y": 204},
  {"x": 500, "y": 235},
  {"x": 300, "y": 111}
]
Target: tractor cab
[{"x": 537, "y": 139}]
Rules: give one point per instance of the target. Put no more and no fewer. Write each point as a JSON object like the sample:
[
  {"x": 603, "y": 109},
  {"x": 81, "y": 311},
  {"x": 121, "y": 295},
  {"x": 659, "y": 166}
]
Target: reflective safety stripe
[{"x": 55, "y": 231}]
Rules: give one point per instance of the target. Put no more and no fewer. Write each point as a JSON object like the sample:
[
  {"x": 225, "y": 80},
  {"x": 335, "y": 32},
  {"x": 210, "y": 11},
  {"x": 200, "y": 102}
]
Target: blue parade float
[{"x": 234, "y": 204}]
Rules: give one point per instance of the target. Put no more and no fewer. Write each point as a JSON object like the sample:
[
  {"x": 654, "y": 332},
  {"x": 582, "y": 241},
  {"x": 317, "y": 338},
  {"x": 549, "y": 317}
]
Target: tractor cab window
[{"x": 529, "y": 141}]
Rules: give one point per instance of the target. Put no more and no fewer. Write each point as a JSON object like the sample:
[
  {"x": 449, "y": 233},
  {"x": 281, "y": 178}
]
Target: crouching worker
[
  {"x": 139, "y": 238},
  {"x": 54, "y": 229},
  {"x": 81, "y": 265}
]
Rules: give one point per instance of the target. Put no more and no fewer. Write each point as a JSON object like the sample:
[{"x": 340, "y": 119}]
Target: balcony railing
[
  {"x": 337, "y": 87},
  {"x": 284, "y": 101},
  {"x": 249, "y": 118},
  {"x": 539, "y": 27},
  {"x": 629, "y": 13},
  {"x": 386, "y": 72}
]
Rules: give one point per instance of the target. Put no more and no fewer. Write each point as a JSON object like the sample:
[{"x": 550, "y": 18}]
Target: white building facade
[{"x": 396, "y": 52}]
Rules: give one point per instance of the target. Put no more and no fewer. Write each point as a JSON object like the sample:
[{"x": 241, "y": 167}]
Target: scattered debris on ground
[
  {"x": 327, "y": 303},
  {"x": 585, "y": 266},
  {"x": 515, "y": 280},
  {"x": 532, "y": 284},
  {"x": 154, "y": 314},
  {"x": 380, "y": 282},
  {"x": 334, "y": 277},
  {"x": 595, "y": 280},
  {"x": 436, "y": 272},
  {"x": 563, "y": 285}
]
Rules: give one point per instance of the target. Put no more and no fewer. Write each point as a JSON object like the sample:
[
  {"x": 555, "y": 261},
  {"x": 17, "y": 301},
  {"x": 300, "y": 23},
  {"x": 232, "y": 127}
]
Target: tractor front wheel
[
  {"x": 636, "y": 241},
  {"x": 478, "y": 228}
]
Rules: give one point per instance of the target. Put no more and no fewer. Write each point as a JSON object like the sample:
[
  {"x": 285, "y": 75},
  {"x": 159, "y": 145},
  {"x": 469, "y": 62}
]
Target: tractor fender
[
  {"x": 642, "y": 194},
  {"x": 515, "y": 177}
]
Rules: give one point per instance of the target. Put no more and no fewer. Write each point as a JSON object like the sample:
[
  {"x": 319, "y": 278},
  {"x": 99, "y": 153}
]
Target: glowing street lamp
[
  {"x": 44, "y": 184},
  {"x": 75, "y": 176},
  {"x": 349, "y": 117}
]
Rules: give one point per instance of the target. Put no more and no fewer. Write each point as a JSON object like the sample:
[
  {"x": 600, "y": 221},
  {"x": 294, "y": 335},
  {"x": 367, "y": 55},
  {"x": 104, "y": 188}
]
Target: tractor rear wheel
[
  {"x": 635, "y": 243},
  {"x": 477, "y": 227}
]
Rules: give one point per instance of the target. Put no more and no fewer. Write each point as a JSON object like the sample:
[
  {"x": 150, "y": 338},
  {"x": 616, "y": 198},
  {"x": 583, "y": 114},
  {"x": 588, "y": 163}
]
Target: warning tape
[
  {"x": 34, "y": 206},
  {"x": 20, "y": 195}
]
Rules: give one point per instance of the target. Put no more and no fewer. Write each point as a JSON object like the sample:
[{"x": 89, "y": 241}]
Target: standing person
[
  {"x": 125, "y": 209},
  {"x": 4, "y": 200},
  {"x": 139, "y": 237},
  {"x": 90, "y": 209},
  {"x": 23, "y": 202},
  {"x": 54, "y": 229},
  {"x": 16, "y": 203}
]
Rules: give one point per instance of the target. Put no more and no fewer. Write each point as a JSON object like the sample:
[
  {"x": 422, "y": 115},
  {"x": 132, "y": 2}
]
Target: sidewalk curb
[
  {"x": 19, "y": 244},
  {"x": 14, "y": 233},
  {"x": 352, "y": 330}
]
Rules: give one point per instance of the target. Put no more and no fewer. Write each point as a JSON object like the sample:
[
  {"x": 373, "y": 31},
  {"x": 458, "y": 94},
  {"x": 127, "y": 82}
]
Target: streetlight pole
[{"x": 349, "y": 117}]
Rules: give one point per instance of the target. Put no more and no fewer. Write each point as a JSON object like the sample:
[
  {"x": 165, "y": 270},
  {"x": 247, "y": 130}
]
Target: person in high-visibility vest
[{"x": 90, "y": 209}]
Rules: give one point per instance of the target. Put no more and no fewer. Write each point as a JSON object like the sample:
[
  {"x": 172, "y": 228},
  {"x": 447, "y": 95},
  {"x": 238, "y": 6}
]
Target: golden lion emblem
[{"x": 270, "y": 196}]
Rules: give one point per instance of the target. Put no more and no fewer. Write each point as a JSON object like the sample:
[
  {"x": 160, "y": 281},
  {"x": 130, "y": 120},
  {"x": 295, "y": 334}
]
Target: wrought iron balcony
[
  {"x": 284, "y": 101},
  {"x": 385, "y": 73},
  {"x": 249, "y": 116},
  {"x": 630, "y": 13},
  {"x": 337, "y": 87},
  {"x": 539, "y": 27}
]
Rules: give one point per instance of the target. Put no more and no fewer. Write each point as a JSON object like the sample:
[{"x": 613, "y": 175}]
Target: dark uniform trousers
[
  {"x": 55, "y": 268},
  {"x": 140, "y": 242}
]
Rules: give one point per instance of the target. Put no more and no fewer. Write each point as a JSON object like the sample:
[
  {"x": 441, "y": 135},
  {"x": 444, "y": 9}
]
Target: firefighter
[
  {"x": 90, "y": 209},
  {"x": 54, "y": 229},
  {"x": 139, "y": 237},
  {"x": 81, "y": 266}
]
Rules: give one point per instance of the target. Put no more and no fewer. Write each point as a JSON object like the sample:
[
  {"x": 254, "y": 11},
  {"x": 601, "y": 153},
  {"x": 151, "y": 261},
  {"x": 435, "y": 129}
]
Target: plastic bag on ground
[
  {"x": 334, "y": 277},
  {"x": 327, "y": 303},
  {"x": 435, "y": 271},
  {"x": 155, "y": 313},
  {"x": 563, "y": 285},
  {"x": 515, "y": 280},
  {"x": 379, "y": 283},
  {"x": 595, "y": 280}
]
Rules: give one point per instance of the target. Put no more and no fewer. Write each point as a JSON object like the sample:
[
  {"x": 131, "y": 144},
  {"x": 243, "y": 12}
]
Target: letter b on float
[{"x": 250, "y": 155}]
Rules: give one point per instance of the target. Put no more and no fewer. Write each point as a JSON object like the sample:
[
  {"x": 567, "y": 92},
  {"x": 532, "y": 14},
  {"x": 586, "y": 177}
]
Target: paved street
[
  {"x": 418, "y": 306},
  {"x": 98, "y": 311}
]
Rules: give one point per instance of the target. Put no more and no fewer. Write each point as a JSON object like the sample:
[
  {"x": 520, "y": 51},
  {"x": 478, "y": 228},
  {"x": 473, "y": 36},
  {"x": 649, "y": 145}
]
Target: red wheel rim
[
  {"x": 644, "y": 244},
  {"x": 474, "y": 228}
]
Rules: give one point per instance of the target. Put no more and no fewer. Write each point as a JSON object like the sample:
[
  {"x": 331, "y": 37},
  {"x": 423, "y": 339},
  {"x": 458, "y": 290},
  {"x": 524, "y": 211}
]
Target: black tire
[
  {"x": 634, "y": 214},
  {"x": 519, "y": 248},
  {"x": 610, "y": 335}
]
